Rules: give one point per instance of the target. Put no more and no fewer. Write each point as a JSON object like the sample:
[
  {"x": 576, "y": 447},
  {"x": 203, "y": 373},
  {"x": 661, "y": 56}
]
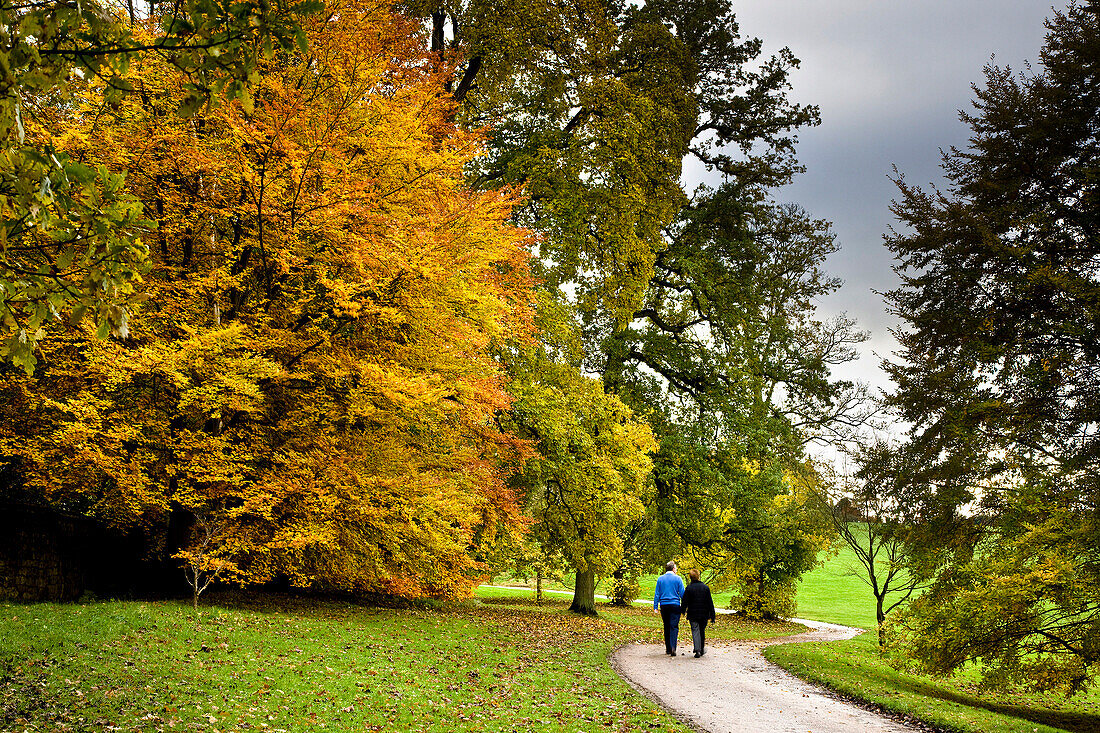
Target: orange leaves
[{"x": 311, "y": 375}]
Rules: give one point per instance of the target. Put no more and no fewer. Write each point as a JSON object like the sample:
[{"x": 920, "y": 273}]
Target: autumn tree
[
  {"x": 589, "y": 476},
  {"x": 999, "y": 302},
  {"x": 207, "y": 558},
  {"x": 313, "y": 363},
  {"x": 70, "y": 234}
]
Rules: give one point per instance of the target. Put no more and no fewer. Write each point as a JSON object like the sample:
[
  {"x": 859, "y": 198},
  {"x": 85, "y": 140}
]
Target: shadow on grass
[
  {"x": 1065, "y": 720},
  {"x": 295, "y": 601},
  {"x": 875, "y": 675},
  {"x": 1077, "y": 722}
]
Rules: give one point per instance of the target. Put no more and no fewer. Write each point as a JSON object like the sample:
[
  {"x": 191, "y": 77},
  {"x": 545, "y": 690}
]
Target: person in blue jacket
[{"x": 666, "y": 599}]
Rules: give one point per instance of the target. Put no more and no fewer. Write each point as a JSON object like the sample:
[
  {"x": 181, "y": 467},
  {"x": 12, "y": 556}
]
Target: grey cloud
[{"x": 890, "y": 78}]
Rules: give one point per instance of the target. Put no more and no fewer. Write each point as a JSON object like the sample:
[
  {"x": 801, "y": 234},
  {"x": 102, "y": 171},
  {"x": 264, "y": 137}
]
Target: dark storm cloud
[{"x": 890, "y": 78}]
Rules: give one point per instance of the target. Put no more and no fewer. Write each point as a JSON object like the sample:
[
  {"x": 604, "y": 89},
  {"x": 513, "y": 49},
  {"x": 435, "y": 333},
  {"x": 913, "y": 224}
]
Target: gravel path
[{"x": 733, "y": 689}]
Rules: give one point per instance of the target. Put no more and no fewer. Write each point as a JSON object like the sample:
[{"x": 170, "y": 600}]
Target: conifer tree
[{"x": 1000, "y": 300}]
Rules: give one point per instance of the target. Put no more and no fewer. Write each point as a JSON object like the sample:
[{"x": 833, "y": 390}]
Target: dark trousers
[
  {"x": 670, "y": 614},
  {"x": 698, "y": 634}
]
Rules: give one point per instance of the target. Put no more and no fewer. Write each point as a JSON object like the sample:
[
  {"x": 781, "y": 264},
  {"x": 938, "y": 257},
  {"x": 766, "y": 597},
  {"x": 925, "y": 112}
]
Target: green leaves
[
  {"x": 77, "y": 245},
  {"x": 728, "y": 328},
  {"x": 697, "y": 310},
  {"x": 590, "y": 128},
  {"x": 589, "y": 477}
]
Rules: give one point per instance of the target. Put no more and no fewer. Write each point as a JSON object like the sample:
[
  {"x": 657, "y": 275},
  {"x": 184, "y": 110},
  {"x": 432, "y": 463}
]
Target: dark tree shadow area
[{"x": 1078, "y": 722}]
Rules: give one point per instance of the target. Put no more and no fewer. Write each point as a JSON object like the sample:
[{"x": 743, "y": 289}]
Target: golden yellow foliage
[{"x": 312, "y": 364}]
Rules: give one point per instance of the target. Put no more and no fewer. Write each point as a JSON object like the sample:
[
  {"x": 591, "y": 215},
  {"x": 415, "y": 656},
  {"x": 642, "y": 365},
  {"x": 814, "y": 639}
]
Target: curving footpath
[{"x": 733, "y": 689}]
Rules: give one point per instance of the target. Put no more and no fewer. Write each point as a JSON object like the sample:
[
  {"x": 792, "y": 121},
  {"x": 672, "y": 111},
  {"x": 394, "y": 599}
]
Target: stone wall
[{"x": 47, "y": 556}]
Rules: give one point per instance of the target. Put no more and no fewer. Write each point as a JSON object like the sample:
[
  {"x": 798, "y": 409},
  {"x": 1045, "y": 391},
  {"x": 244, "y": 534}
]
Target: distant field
[{"x": 835, "y": 592}]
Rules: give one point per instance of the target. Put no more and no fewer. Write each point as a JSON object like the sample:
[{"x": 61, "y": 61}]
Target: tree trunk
[
  {"x": 584, "y": 594},
  {"x": 538, "y": 588},
  {"x": 618, "y": 576},
  {"x": 880, "y": 616}
]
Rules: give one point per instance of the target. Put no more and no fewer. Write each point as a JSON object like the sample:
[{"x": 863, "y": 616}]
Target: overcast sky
[{"x": 889, "y": 77}]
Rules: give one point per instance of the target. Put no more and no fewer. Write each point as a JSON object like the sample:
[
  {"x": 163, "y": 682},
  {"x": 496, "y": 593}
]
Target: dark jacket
[{"x": 696, "y": 604}]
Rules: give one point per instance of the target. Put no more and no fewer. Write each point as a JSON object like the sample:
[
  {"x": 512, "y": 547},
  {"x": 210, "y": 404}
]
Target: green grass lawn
[
  {"x": 255, "y": 662},
  {"x": 835, "y": 593},
  {"x": 498, "y": 662},
  {"x": 646, "y": 585},
  {"x": 855, "y": 668}
]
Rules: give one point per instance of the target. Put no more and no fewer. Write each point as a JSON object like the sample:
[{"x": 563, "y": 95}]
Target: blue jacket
[{"x": 668, "y": 591}]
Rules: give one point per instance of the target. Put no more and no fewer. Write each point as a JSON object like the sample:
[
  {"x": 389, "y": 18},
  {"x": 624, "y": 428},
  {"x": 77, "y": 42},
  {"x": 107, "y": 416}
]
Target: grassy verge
[
  {"x": 254, "y": 662},
  {"x": 855, "y": 668},
  {"x": 834, "y": 593}
]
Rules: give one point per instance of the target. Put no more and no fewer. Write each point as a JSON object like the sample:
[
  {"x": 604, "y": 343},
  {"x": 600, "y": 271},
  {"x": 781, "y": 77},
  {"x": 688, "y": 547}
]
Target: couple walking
[{"x": 671, "y": 598}]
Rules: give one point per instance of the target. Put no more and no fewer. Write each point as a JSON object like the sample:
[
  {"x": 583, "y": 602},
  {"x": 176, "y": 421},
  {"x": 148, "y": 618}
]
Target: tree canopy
[
  {"x": 590, "y": 476},
  {"x": 375, "y": 288},
  {"x": 70, "y": 234},
  {"x": 696, "y": 307}
]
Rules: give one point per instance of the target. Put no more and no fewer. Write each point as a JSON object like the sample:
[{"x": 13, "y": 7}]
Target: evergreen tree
[{"x": 1000, "y": 298}]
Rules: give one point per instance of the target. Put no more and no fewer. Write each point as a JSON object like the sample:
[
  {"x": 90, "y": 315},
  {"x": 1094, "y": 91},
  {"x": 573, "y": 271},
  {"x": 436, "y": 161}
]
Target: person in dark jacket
[{"x": 697, "y": 607}]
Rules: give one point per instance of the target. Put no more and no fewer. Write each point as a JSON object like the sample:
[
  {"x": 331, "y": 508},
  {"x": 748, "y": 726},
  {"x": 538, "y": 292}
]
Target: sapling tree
[
  {"x": 205, "y": 558},
  {"x": 867, "y": 517}
]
